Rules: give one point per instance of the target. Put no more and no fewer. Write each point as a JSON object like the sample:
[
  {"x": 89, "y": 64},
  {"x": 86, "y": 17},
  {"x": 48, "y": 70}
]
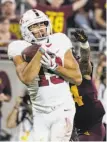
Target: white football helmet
[{"x": 29, "y": 18}]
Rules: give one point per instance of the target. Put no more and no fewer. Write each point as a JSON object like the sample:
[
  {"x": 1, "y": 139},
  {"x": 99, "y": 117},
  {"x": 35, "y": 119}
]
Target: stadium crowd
[{"x": 65, "y": 15}]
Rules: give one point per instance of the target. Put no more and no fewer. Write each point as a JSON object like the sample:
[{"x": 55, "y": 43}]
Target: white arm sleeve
[{"x": 16, "y": 47}]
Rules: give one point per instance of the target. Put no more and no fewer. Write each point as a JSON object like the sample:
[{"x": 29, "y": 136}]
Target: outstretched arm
[
  {"x": 84, "y": 63},
  {"x": 32, "y": 3},
  {"x": 78, "y": 4}
]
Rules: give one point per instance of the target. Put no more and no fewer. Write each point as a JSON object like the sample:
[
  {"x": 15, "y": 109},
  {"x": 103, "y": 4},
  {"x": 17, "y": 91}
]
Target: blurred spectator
[
  {"x": 5, "y": 87},
  {"x": 104, "y": 102},
  {"x": 100, "y": 13},
  {"x": 101, "y": 57},
  {"x": 99, "y": 69},
  {"x": 84, "y": 16},
  {"x": 59, "y": 13},
  {"x": 5, "y": 34},
  {"x": 103, "y": 84},
  {"x": 21, "y": 119},
  {"x": 102, "y": 94},
  {"x": 32, "y": 3},
  {"x": 8, "y": 9},
  {"x": 5, "y": 96}
]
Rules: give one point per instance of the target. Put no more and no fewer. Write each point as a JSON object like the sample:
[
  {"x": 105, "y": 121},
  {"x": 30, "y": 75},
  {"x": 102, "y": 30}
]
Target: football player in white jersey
[{"x": 47, "y": 76}]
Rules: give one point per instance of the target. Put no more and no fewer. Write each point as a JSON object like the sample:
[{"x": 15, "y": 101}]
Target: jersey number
[
  {"x": 45, "y": 82},
  {"x": 53, "y": 79},
  {"x": 57, "y": 20},
  {"x": 77, "y": 97}
]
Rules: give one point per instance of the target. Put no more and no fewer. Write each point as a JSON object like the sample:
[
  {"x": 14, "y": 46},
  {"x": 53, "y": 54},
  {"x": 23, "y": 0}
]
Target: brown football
[{"x": 29, "y": 52}]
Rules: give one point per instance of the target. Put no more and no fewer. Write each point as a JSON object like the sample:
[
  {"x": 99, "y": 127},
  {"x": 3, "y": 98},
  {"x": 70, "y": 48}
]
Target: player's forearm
[
  {"x": 85, "y": 54},
  {"x": 32, "y": 69},
  {"x": 7, "y": 98},
  {"x": 84, "y": 63},
  {"x": 4, "y": 97},
  {"x": 73, "y": 75},
  {"x": 98, "y": 17},
  {"x": 33, "y": 3},
  {"x": 12, "y": 118},
  {"x": 78, "y": 4}
]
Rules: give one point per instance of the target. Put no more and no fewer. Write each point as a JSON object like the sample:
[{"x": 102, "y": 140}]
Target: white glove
[{"x": 49, "y": 62}]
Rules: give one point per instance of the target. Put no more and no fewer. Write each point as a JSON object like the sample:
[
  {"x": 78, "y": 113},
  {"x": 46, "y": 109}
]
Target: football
[{"x": 29, "y": 52}]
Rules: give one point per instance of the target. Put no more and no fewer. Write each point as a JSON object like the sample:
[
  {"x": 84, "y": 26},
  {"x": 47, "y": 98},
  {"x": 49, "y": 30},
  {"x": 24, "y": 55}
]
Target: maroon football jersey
[
  {"x": 89, "y": 109},
  {"x": 58, "y": 16}
]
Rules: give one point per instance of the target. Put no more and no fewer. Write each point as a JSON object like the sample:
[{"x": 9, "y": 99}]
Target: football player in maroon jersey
[{"x": 89, "y": 110}]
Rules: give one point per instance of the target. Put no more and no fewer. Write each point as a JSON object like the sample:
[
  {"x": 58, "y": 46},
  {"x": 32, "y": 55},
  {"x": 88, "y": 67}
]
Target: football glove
[
  {"x": 49, "y": 62},
  {"x": 80, "y": 36}
]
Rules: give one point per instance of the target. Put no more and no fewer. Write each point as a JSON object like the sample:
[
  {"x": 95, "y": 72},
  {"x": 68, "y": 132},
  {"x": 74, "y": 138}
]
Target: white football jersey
[
  {"x": 48, "y": 90},
  {"x": 16, "y": 47}
]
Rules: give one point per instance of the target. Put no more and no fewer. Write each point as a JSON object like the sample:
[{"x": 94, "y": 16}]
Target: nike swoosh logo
[{"x": 66, "y": 109}]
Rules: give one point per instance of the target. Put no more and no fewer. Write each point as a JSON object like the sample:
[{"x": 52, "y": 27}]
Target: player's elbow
[
  {"x": 76, "y": 76},
  {"x": 78, "y": 80},
  {"x": 27, "y": 80}
]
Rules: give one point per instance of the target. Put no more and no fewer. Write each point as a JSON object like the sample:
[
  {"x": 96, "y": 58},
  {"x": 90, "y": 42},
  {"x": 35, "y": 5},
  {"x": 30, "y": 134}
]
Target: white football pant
[{"x": 54, "y": 126}]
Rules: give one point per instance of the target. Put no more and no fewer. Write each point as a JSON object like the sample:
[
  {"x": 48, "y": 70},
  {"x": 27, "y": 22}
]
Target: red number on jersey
[{"x": 54, "y": 79}]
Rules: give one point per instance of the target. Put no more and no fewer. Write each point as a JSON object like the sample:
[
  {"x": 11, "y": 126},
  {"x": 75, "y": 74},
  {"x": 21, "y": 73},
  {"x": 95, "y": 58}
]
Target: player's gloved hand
[
  {"x": 82, "y": 38},
  {"x": 49, "y": 62}
]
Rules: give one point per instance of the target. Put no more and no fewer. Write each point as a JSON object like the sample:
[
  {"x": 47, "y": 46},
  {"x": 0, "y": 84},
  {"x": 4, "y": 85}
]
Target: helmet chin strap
[
  {"x": 43, "y": 41},
  {"x": 40, "y": 41}
]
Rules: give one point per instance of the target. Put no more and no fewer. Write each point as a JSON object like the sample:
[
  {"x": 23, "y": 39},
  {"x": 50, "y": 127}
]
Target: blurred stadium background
[{"x": 91, "y": 17}]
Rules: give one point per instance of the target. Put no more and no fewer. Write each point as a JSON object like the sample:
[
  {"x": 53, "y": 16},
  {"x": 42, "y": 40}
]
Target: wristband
[
  {"x": 84, "y": 45},
  {"x": 42, "y": 50}
]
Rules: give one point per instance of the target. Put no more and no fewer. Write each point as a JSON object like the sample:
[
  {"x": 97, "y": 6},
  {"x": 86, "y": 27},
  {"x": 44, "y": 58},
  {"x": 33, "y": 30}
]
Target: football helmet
[{"x": 32, "y": 17}]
